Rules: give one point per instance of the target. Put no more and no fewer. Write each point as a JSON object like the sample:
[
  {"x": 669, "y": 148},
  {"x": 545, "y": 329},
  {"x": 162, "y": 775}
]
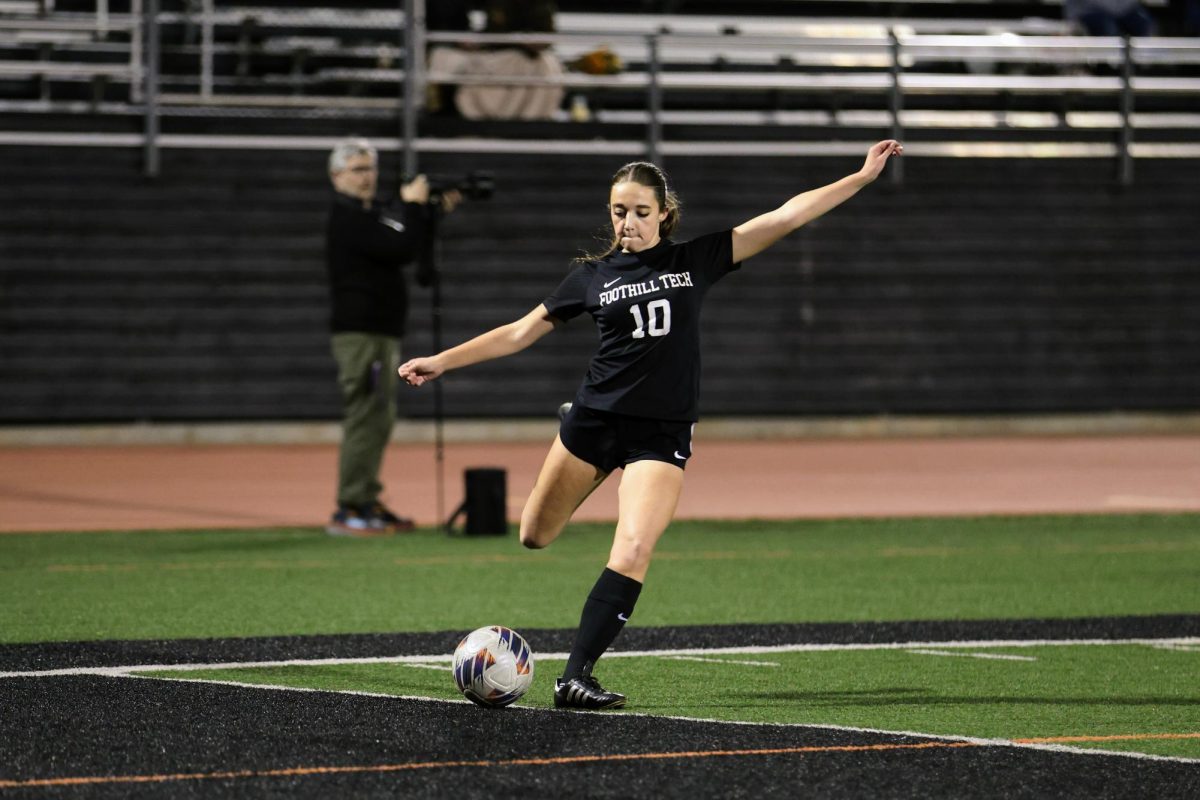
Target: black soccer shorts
[{"x": 608, "y": 441}]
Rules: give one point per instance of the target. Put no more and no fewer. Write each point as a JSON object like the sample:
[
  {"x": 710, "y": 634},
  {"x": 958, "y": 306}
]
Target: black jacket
[{"x": 365, "y": 249}]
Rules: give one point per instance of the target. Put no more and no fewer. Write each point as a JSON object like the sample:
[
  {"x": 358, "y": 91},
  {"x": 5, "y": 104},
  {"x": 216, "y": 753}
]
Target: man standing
[{"x": 367, "y": 243}]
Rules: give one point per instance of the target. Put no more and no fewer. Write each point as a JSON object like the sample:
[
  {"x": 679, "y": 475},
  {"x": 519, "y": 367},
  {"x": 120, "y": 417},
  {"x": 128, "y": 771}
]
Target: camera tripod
[{"x": 429, "y": 275}]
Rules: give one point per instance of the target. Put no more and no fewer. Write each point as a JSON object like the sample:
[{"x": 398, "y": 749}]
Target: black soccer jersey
[{"x": 647, "y": 310}]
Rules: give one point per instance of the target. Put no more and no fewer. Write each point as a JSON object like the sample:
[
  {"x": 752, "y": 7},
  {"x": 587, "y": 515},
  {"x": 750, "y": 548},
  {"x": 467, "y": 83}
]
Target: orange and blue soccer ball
[{"x": 493, "y": 666}]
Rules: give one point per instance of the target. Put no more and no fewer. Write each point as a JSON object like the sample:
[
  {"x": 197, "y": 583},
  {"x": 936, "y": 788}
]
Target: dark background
[{"x": 975, "y": 286}]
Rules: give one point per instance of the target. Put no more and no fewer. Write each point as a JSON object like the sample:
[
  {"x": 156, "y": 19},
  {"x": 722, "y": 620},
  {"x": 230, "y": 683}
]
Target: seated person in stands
[
  {"x": 447, "y": 16},
  {"x": 1182, "y": 18},
  {"x": 1110, "y": 17},
  {"x": 478, "y": 101}
]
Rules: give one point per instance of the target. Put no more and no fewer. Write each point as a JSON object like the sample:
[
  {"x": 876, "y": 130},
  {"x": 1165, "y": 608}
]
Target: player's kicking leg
[{"x": 649, "y": 494}]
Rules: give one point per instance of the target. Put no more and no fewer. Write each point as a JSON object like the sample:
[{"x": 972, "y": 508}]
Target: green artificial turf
[
  {"x": 1128, "y": 690},
  {"x": 180, "y": 584}
]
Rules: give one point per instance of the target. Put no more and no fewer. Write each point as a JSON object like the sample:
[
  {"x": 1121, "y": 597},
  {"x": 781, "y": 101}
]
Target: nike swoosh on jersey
[
  {"x": 680, "y": 457},
  {"x": 622, "y": 617},
  {"x": 614, "y": 280}
]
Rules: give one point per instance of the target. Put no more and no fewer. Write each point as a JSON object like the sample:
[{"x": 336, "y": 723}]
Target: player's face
[
  {"x": 636, "y": 216},
  {"x": 358, "y": 178}
]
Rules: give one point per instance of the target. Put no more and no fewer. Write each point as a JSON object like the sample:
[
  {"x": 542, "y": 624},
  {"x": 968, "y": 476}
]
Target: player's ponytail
[
  {"x": 646, "y": 174},
  {"x": 674, "y": 211}
]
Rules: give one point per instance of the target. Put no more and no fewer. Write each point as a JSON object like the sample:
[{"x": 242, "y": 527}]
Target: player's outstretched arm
[
  {"x": 496, "y": 343},
  {"x": 752, "y": 237}
]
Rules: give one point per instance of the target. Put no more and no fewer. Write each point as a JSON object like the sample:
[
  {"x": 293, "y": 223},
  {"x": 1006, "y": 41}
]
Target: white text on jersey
[{"x": 668, "y": 280}]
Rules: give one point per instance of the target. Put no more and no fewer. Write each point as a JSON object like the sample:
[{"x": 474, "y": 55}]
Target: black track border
[{"x": 116, "y": 653}]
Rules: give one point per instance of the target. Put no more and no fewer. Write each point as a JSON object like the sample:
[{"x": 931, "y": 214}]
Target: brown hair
[{"x": 650, "y": 175}]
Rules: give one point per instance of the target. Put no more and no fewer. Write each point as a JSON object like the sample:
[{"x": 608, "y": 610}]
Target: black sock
[{"x": 605, "y": 613}]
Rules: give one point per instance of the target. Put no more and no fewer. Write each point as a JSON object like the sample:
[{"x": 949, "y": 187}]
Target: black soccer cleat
[{"x": 584, "y": 692}]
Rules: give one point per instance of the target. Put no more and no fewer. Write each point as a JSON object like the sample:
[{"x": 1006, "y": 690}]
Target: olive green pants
[{"x": 367, "y": 366}]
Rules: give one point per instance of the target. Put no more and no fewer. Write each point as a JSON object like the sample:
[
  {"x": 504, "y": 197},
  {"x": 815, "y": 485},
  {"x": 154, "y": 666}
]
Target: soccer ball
[{"x": 493, "y": 666}]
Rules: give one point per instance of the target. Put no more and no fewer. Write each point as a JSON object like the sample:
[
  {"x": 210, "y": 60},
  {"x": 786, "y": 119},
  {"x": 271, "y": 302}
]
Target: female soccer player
[{"x": 638, "y": 402}]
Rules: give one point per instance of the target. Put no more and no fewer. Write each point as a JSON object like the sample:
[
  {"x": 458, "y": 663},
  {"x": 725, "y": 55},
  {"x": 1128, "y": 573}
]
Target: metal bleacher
[
  {"x": 41, "y": 52},
  {"x": 682, "y": 77},
  {"x": 1005, "y": 270}
]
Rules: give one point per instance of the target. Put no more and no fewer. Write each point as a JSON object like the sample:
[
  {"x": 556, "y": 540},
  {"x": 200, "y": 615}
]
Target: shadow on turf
[{"x": 914, "y": 697}]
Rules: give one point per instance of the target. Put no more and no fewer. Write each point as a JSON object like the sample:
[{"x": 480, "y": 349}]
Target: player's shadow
[{"x": 919, "y": 697}]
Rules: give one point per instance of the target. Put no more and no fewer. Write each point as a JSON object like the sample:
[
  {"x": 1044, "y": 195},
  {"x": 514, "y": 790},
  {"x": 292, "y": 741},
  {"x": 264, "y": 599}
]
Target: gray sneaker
[
  {"x": 379, "y": 513},
  {"x": 348, "y": 522}
]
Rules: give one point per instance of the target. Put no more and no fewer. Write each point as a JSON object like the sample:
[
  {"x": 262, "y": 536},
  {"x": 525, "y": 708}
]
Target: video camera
[{"x": 475, "y": 185}]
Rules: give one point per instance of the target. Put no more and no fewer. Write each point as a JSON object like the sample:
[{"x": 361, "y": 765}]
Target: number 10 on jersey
[{"x": 656, "y": 322}]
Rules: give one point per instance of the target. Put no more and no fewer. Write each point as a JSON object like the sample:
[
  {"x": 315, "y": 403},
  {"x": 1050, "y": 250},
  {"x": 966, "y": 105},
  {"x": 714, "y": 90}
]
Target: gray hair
[{"x": 346, "y": 149}]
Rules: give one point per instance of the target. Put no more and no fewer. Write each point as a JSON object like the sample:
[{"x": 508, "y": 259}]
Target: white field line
[
  {"x": 996, "y": 656},
  {"x": 446, "y": 658},
  {"x": 1057, "y": 748},
  {"x": 118, "y": 672},
  {"x": 723, "y": 661},
  {"x": 1183, "y": 648},
  {"x": 418, "y": 665},
  {"x": 273, "y": 687}
]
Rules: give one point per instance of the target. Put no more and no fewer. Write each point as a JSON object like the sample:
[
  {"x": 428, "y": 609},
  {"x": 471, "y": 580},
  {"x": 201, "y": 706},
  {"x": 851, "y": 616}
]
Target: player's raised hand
[
  {"x": 418, "y": 371},
  {"x": 877, "y": 157}
]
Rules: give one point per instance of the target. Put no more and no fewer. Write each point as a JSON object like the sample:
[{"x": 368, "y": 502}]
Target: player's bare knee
[
  {"x": 530, "y": 542},
  {"x": 630, "y": 556},
  {"x": 535, "y": 537}
]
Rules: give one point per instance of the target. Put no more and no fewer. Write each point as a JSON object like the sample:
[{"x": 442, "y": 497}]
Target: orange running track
[{"x": 44, "y": 488}]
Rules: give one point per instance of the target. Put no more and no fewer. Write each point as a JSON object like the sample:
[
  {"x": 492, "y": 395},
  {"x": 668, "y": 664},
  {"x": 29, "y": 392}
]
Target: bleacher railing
[
  {"x": 883, "y": 65},
  {"x": 890, "y": 61}
]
